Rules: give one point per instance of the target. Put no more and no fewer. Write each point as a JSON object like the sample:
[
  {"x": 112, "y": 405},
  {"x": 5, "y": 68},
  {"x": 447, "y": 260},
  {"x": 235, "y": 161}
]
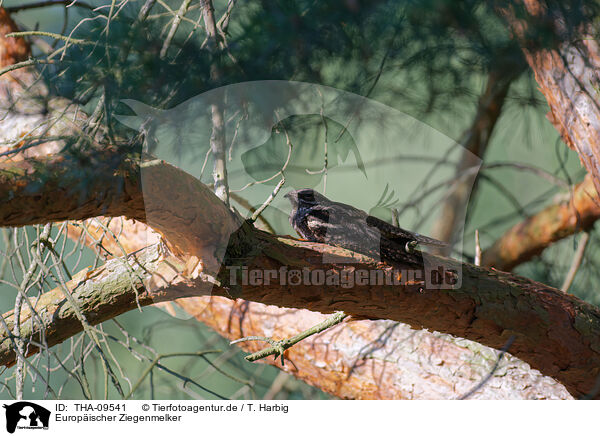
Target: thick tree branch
[
  {"x": 374, "y": 359},
  {"x": 556, "y": 333},
  {"x": 101, "y": 294},
  {"x": 60, "y": 187},
  {"x": 529, "y": 238},
  {"x": 367, "y": 359},
  {"x": 369, "y": 354},
  {"x": 568, "y": 77}
]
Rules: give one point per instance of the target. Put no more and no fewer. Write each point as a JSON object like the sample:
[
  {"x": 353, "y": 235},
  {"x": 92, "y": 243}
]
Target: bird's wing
[
  {"x": 392, "y": 232},
  {"x": 340, "y": 225}
]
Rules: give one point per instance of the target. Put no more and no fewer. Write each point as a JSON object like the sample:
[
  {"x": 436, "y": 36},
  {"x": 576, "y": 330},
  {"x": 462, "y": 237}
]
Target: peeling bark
[{"x": 568, "y": 78}]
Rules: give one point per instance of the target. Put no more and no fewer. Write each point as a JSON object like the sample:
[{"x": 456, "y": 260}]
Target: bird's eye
[{"x": 307, "y": 196}]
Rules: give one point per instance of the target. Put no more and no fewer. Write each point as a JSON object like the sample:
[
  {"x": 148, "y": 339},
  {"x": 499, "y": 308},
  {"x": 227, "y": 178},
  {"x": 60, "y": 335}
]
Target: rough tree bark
[
  {"x": 568, "y": 78},
  {"x": 556, "y": 333},
  {"x": 366, "y": 359}
]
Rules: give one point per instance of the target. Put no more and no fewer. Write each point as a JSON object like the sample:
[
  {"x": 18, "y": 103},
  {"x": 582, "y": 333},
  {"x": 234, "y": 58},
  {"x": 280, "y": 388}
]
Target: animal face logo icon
[{"x": 27, "y": 415}]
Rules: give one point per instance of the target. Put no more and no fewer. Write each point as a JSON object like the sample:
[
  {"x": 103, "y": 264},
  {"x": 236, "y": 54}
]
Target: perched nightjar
[{"x": 318, "y": 219}]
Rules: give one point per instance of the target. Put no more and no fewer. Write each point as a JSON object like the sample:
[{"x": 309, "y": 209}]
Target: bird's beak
[{"x": 292, "y": 197}]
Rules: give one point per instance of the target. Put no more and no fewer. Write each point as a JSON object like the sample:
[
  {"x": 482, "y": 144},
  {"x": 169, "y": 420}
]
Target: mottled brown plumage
[{"x": 318, "y": 219}]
